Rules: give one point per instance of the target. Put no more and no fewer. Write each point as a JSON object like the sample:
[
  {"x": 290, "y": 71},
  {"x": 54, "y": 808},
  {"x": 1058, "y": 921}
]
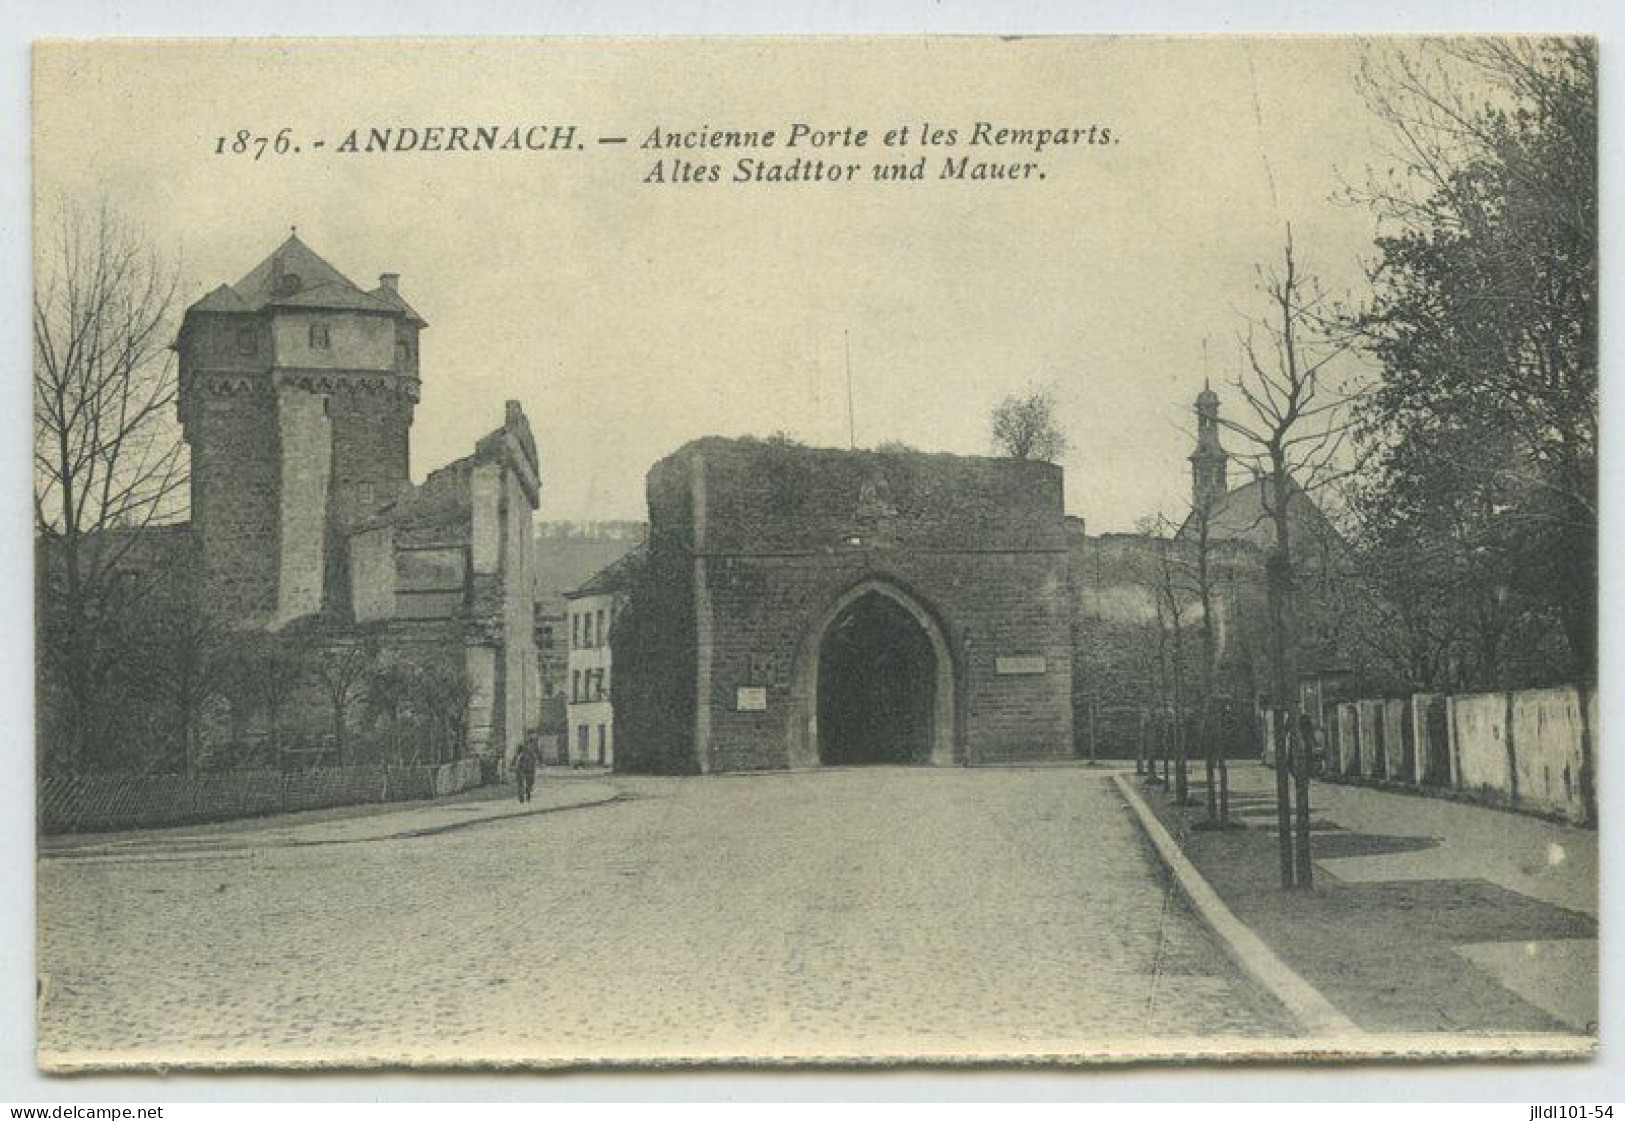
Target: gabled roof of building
[
  {"x": 616, "y": 576},
  {"x": 222, "y": 298},
  {"x": 296, "y": 276},
  {"x": 1240, "y": 514}
]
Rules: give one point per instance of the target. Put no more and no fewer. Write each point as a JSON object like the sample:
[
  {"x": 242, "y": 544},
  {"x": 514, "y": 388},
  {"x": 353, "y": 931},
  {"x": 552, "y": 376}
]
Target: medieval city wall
[
  {"x": 755, "y": 542},
  {"x": 993, "y": 610}
]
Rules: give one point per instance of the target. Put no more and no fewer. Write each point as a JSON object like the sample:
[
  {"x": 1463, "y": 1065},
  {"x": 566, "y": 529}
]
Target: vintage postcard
[{"x": 583, "y": 552}]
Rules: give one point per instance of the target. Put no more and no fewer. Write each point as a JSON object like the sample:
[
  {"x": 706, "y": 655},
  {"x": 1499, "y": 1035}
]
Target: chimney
[{"x": 389, "y": 280}]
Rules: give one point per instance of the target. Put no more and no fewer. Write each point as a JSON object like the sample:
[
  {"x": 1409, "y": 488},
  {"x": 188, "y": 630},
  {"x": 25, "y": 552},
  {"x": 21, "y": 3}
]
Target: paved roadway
[{"x": 869, "y": 913}]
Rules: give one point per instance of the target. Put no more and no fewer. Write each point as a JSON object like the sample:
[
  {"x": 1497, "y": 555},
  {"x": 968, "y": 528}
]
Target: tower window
[
  {"x": 318, "y": 336},
  {"x": 245, "y": 340},
  {"x": 403, "y": 352}
]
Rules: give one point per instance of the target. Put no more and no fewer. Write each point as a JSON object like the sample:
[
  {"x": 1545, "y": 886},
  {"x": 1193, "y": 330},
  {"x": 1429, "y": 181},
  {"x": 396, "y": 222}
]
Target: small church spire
[{"x": 1209, "y": 462}]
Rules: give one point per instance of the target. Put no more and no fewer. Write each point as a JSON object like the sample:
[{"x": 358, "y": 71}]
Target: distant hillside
[{"x": 567, "y": 553}]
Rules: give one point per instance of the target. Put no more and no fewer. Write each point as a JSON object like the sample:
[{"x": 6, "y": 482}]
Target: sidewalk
[
  {"x": 329, "y": 827},
  {"x": 1426, "y": 916}
]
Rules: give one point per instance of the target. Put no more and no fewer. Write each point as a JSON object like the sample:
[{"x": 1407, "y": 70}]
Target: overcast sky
[{"x": 628, "y": 318}]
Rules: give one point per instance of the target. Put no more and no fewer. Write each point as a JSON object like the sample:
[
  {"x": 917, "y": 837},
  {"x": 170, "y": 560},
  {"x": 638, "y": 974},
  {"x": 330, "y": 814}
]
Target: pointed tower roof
[
  {"x": 293, "y": 267},
  {"x": 296, "y": 276},
  {"x": 1208, "y": 445}
]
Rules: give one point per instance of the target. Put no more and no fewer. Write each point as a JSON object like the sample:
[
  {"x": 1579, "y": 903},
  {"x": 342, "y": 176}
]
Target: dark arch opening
[{"x": 876, "y": 686}]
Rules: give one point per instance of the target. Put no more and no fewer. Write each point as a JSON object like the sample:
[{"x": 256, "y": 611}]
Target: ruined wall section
[{"x": 653, "y": 643}]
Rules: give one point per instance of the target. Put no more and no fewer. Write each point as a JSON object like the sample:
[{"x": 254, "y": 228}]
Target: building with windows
[
  {"x": 568, "y": 553},
  {"x": 592, "y": 610}
]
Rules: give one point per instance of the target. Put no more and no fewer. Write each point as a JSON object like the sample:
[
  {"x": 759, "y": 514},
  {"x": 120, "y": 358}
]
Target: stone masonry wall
[
  {"x": 307, "y": 443},
  {"x": 236, "y": 491},
  {"x": 988, "y": 606},
  {"x": 758, "y": 540}
]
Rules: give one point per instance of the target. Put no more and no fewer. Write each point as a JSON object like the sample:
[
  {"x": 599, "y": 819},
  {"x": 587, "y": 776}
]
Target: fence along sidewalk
[
  {"x": 98, "y": 803},
  {"x": 1529, "y": 749}
]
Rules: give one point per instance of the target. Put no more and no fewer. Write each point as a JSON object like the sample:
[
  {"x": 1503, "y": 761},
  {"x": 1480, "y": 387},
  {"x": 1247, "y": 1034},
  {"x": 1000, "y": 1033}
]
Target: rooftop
[{"x": 296, "y": 276}]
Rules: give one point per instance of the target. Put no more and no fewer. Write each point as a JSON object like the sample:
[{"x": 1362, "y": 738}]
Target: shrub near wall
[{"x": 101, "y": 803}]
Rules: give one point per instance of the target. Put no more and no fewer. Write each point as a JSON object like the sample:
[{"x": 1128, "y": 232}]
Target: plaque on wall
[
  {"x": 1020, "y": 665},
  {"x": 751, "y": 698}
]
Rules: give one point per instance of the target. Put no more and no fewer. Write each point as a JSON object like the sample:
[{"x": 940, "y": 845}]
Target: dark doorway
[{"x": 876, "y": 686}]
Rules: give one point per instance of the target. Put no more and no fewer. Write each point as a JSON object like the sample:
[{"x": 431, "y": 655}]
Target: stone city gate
[
  {"x": 875, "y": 682},
  {"x": 805, "y": 607}
]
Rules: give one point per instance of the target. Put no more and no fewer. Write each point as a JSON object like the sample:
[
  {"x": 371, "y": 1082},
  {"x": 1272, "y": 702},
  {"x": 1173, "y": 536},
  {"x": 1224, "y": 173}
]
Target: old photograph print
[{"x": 842, "y": 551}]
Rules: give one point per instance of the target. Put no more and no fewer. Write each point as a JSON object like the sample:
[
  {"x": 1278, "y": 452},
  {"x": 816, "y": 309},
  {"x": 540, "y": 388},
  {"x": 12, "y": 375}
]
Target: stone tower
[
  {"x": 296, "y": 396},
  {"x": 1209, "y": 460}
]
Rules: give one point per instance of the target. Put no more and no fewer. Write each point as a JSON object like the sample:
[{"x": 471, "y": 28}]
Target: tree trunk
[
  {"x": 1208, "y": 741},
  {"x": 1280, "y": 718},
  {"x": 1304, "y": 750},
  {"x": 1204, "y": 585},
  {"x": 338, "y": 730},
  {"x": 1283, "y": 651},
  {"x": 1181, "y": 770}
]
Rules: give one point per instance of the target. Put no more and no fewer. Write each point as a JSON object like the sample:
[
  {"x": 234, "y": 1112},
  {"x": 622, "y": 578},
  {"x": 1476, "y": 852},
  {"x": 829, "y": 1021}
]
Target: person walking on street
[{"x": 524, "y": 769}]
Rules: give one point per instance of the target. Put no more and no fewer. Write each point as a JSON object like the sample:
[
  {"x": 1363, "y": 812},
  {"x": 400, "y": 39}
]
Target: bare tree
[
  {"x": 389, "y": 693},
  {"x": 107, "y": 454},
  {"x": 268, "y": 672},
  {"x": 1295, "y": 430},
  {"x": 1026, "y": 427},
  {"x": 189, "y": 661},
  {"x": 447, "y": 694},
  {"x": 1173, "y": 602},
  {"x": 342, "y": 667},
  {"x": 1171, "y": 605},
  {"x": 1198, "y": 561}
]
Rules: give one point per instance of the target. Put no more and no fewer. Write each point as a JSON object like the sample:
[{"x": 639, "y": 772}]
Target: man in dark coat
[{"x": 524, "y": 769}]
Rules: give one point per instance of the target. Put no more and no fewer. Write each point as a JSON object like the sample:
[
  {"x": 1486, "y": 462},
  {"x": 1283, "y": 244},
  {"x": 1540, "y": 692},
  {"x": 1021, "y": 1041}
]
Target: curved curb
[
  {"x": 1307, "y": 1004},
  {"x": 472, "y": 823},
  {"x": 157, "y": 850}
]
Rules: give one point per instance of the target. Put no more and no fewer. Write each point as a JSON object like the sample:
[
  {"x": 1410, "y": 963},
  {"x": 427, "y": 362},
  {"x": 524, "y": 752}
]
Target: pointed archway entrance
[{"x": 875, "y": 682}]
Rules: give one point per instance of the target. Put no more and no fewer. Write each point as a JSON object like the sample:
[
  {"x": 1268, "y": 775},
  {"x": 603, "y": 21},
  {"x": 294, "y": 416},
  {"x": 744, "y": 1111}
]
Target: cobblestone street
[{"x": 862, "y": 913}]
